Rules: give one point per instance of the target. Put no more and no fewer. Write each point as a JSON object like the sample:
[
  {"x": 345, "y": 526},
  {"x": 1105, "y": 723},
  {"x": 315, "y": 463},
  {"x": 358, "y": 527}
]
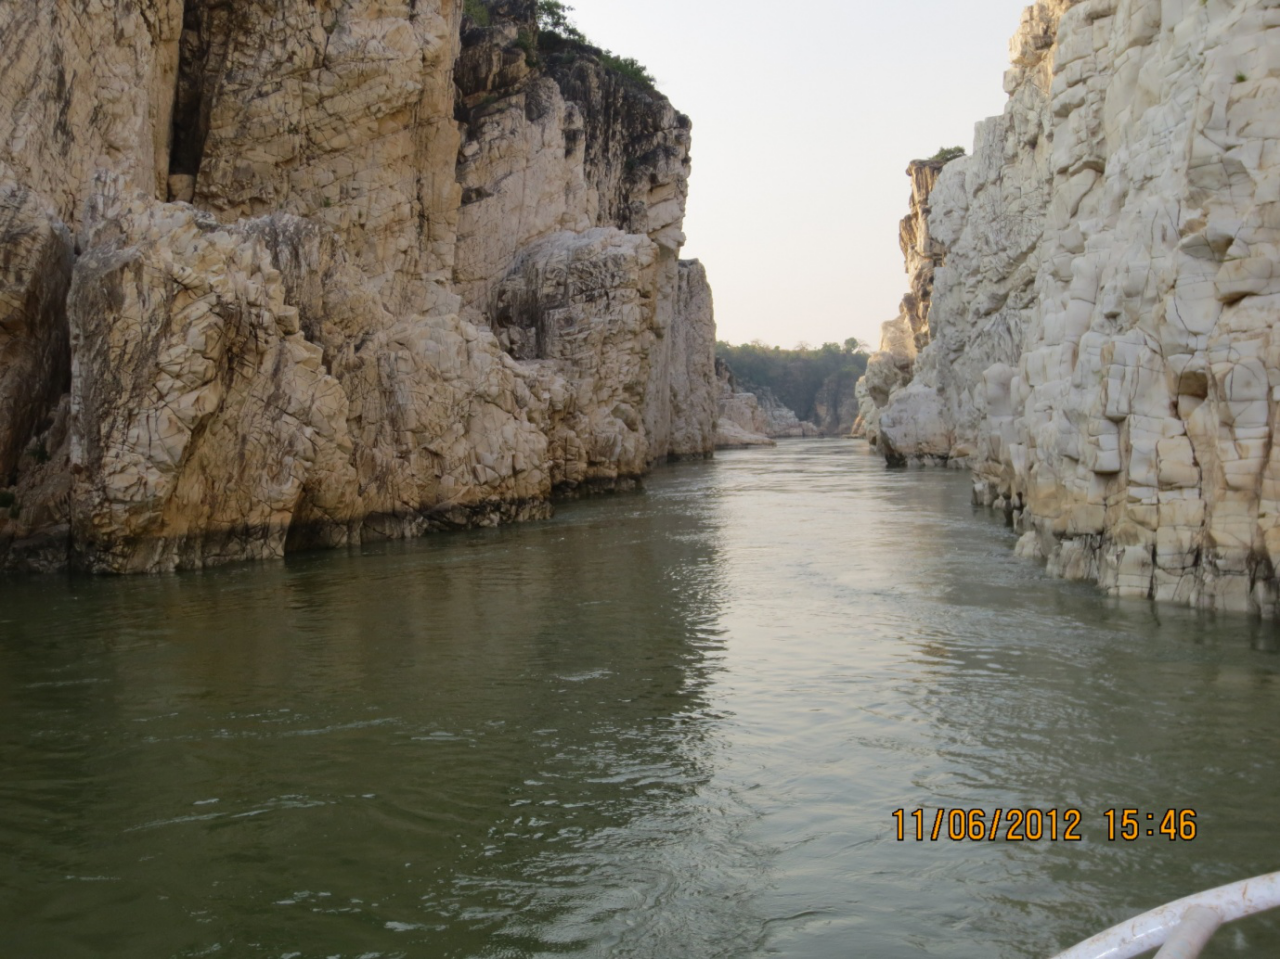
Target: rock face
[
  {"x": 835, "y": 407},
  {"x": 1102, "y": 349},
  {"x": 740, "y": 422},
  {"x": 754, "y": 416},
  {"x": 781, "y": 420},
  {"x": 902, "y": 338},
  {"x": 35, "y": 273},
  {"x": 339, "y": 271},
  {"x": 694, "y": 387}
]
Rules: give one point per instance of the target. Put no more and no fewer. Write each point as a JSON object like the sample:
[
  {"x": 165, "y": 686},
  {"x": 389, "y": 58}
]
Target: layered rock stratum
[
  {"x": 286, "y": 275},
  {"x": 1101, "y": 342}
]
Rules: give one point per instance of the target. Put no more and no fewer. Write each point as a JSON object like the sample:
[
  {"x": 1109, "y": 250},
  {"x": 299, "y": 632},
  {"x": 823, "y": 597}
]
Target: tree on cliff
[
  {"x": 947, "y": 154},
  {"x": 554, "y": 16},
  {"x": 555, "y": 28}
]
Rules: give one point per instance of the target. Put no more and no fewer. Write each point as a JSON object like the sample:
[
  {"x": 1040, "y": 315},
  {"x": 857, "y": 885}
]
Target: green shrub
[
  {"x": 477, "y": 12},
  {"x": 525, "y": 42},
  {"x": 628, "y": 68},
  {"x": 39, "y": 452},
  {"x": 6, "y": 499},
  {"x": 1241, "y": 78},
  {"x": 553, "y": 19},
  {"x": 947, "y": 154},
  {"x": 553, "y": 16}
]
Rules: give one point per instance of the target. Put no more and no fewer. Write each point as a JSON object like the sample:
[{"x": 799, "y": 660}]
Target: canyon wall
[
  {"x": 741, "y": 422},
  {"x": 287, "y": 275},
  {"x": 892, "y": 366},
  {"x": 754, "y": 416},
  {"x": 1102, "y": 348}
]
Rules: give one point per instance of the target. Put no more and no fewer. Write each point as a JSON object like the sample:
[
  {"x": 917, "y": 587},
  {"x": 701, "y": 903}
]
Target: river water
[{"x": 665, "y": 725}]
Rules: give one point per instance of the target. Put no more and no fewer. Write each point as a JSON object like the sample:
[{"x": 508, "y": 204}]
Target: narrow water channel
[{"x": 665, "y": 725}]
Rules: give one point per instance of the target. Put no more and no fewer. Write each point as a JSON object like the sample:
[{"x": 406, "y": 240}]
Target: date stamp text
[{"x": 1039, "y": 825}]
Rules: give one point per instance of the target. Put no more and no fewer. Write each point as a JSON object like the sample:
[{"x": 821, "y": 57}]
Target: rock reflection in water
[
  {"x": 484, "y": 744},
  {"x": 670, "y": 724}
]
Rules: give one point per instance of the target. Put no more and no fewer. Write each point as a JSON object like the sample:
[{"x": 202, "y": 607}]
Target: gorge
[
  {"x": 286, "y": 276},
  {"x": 278, "y": 276},
  {"x": 1093, "y": 299},
  {"x": 301, "y": 281}
]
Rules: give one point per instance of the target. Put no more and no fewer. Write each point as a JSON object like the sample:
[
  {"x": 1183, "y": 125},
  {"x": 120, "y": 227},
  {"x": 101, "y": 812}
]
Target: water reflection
[
  {"x": 490, "y": 744},
  {"x": 922, "y": 665},
  {"x": 663, "y": 725}
]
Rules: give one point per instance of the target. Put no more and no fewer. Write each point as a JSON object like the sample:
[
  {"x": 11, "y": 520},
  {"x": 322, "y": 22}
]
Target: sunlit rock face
[
  {"x": 901, "y": 339},
  {"x": 288, "y": 275},
  {"x": 1102, "y": 317}
]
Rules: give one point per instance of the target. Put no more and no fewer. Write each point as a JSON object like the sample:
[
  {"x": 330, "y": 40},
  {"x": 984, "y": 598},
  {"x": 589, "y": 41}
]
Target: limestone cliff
[
  {"x": 285, "y": 275},
  {"x": 1101, "y": 330}
]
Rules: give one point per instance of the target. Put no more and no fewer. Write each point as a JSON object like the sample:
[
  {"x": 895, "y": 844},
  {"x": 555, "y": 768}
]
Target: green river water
[{"x": 666, "y": 725}]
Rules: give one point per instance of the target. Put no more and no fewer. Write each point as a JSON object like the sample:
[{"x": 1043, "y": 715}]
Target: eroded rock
[
  {"x": 1101, "y": 325},
  {"x": 324, "y": 293},
  {"x": 35, "y": 360}
]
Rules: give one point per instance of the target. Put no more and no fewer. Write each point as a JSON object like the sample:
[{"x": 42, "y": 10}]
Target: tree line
[{"x": 795, "y": 376}]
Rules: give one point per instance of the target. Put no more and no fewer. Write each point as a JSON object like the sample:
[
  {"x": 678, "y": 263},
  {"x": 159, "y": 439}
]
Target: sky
[{"x": 805, "y": 116}]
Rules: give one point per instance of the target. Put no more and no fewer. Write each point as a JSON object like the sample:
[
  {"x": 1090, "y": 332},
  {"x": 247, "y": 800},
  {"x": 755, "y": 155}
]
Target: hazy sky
[{"x": 805, "y": 116}]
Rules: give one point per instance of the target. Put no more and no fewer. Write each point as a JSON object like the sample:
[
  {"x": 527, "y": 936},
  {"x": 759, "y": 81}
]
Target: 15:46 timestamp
[{"x": 1129, "y": 824}]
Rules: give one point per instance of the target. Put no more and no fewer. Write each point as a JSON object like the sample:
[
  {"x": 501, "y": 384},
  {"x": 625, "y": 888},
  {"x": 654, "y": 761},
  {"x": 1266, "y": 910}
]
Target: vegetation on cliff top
[
  {"x": 795, "y": 376},
  {"x": 556, "y": 28},
  {"x": 946, "y": 155}
]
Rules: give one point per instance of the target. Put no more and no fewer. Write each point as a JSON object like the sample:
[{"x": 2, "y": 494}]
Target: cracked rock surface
[
  {"x": 288, "y": 275},
  {"x": 1102, "y": 346}
]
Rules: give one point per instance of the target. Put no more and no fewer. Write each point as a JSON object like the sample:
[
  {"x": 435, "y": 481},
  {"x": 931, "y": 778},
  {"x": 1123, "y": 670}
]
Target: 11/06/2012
[{"x": 1036, "y": 825}]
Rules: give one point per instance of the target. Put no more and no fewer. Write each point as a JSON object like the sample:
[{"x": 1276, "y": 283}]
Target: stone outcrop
[
  {"x": 35, "y": 273},
  {"x": 889, "y": 369},
  {"x": 1103, "y": 308},
  {"x": 339, "y": 272},
  {"x": 901, "y": 339},
  {"x": 835, "y": 407},
  {"x": 740, "y": 422},
  {"x": 693, "y": 384},
  {"x": 754, "y": 416},
  {"x": 781, "y": 421}
]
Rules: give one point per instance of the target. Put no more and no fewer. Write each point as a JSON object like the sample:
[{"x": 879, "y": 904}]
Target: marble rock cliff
[
  {"x": 1103, "y": 347},
  {"x": 295, "y": 274}
]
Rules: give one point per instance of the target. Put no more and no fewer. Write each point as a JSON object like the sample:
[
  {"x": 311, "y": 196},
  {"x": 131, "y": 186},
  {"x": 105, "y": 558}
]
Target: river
[{"x": 672, "y": 724}]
